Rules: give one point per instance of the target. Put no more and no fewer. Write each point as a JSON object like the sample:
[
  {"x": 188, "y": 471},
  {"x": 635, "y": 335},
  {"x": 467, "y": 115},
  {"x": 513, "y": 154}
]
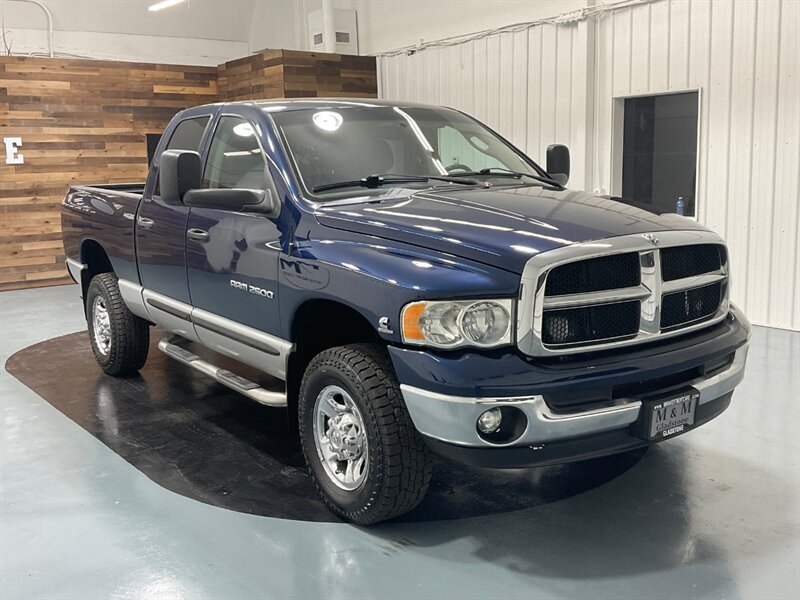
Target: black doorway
[{"x": 659, "y": 152}]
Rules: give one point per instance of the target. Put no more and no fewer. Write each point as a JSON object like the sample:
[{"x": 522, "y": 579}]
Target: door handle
[
  {"x": 145, "y": 223},
  {"x": 198, "y": 235}
]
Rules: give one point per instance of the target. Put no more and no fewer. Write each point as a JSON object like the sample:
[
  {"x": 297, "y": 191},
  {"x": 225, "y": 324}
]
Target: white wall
[
  {"x": 200, "y": 32},
  {"x": 278, "y": 24},
  {"x": 233, "y": 28},
  {"x": 529, "y": 85},
  {"x": 744, "y": 56},
  {"x": 202, "y": 19},
  {"x": 390, "y": 24},
  {"x": 126, "y": 47},
  {"x": 558, "y": 83}
]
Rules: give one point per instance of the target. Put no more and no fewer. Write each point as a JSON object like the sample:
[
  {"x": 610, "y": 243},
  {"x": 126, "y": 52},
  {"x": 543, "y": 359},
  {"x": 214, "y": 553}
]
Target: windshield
[{"x": 344, "y": 144}]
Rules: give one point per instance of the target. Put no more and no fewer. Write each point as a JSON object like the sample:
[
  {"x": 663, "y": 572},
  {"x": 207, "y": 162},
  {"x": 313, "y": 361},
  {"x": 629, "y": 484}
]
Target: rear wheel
[
  {"x": 120, "y": 340},
  {"x": 367, "y": 459}
]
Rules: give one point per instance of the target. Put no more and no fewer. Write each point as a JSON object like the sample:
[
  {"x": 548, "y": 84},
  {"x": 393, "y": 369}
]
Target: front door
[{"x": 232, "y": 257}]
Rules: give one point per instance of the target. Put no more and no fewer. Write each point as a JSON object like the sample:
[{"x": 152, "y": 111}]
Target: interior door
[
  {"x": 232, "y": 257},
  {"x": 161, "y": 226}
]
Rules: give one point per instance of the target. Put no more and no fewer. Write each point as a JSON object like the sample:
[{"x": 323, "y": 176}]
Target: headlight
[{"x": 454, "y": 323}]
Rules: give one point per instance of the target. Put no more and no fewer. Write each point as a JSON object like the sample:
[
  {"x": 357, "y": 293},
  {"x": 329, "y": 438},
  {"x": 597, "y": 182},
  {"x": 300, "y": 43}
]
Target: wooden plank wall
[
  {"x": 329, "y": 75},
  {"x": 81, "y": 122},
  {"x": 85, "y": 122},
  {"x": 292, "y": 74},
  {"x": 252, "y": 77}
]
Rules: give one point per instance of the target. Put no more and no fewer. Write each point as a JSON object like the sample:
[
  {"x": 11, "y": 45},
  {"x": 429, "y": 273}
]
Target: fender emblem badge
[{"x": 383, "y": 325}]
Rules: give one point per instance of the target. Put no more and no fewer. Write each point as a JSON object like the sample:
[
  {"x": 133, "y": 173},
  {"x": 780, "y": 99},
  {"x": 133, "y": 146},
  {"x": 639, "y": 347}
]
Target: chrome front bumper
[{"x": 452, "y": 419}]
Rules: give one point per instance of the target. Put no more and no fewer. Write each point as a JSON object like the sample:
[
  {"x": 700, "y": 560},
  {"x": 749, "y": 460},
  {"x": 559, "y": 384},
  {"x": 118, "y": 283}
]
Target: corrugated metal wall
[
  {"x": 529, "y": 85},
  {"x": 557, "y": 83},
  {"x": 744, "y": 56}
]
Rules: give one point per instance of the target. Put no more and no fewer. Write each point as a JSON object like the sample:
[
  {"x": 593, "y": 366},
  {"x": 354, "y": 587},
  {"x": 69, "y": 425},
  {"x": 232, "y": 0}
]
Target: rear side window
[{"x": 188, "y": 134}]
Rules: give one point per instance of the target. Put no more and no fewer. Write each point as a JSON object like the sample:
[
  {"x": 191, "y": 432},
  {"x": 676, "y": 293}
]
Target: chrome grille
[
  {"x": 687, "y": 261},
  {"x": 590, "y": 323},
  {"x": 602, "y": 273},
  {"x": 620, "y": 291},
  {"x": 689, "y": 306}
]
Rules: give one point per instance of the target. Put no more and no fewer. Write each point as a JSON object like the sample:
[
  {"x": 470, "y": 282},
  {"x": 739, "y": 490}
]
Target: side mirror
[
  {"x": 236, "y": 199},
  {"x": 178, "y": 172},
  {"x": 558, "y": 163}
]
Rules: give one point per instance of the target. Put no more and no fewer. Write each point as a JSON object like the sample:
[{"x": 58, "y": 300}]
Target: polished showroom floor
[{"x": 715, "y": 513}]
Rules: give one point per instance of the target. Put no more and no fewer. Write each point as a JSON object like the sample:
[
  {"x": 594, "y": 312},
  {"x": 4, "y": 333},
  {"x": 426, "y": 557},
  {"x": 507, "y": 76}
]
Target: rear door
[{"x": 161, "y": 226}]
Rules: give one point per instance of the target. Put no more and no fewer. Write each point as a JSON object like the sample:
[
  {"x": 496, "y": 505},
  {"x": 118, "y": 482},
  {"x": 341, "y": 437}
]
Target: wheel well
[
  {"x": 317, "y": 326},
  {"x": 96, "y": 260}
]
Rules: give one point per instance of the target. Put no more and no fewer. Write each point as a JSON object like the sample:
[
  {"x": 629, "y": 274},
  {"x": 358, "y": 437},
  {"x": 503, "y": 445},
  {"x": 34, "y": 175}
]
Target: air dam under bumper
[{"x": 448, "y": 422}]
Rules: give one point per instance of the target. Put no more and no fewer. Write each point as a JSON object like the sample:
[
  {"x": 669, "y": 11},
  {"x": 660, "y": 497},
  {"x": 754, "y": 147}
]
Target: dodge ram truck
[{"x": 408, "y": 282}]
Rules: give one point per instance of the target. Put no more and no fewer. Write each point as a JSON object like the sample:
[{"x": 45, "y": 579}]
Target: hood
[{"x": 502, "y": 227}]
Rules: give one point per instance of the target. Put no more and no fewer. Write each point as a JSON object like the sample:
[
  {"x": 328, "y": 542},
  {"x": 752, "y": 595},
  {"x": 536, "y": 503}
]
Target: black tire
[
  {"x": 398, "y": 466},
  {"x": 126, "y": 351}
]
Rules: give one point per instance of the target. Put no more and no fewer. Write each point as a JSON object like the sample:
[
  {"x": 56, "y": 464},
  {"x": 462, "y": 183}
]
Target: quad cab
[{"x": 409, "y": 283}]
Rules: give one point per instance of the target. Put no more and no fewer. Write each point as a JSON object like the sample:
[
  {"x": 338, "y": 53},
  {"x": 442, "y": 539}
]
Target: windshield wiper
[
  {"x": 502, "y": 172},
  {"x": 374, "y": 181}
]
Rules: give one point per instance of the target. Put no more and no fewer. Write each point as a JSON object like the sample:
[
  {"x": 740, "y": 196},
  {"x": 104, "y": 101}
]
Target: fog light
[{"x": 489, "y": 422}]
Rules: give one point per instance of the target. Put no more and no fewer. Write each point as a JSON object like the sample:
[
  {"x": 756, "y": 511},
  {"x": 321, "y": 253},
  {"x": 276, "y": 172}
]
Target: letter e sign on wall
[{"x": 13, "y": 157}]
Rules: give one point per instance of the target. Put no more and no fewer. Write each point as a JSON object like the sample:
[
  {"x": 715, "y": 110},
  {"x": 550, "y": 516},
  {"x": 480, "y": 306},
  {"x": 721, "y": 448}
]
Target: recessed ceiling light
[{"x": 163, "y": 4}]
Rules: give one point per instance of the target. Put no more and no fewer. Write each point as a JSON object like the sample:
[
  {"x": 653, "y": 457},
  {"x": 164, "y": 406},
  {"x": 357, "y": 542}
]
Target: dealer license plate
[{"x": 671, "y": 416}]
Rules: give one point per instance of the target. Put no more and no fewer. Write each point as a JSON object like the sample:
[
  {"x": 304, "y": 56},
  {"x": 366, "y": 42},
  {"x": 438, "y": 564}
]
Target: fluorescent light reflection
[{"x": 164, "y": 4}]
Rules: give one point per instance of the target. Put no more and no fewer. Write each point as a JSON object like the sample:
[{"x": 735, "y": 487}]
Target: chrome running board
[{"x": 236, "y": 382}]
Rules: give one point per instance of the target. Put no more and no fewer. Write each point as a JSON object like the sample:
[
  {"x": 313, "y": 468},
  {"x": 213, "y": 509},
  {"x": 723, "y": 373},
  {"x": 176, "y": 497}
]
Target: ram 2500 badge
[{"x": 411, "y": 283}]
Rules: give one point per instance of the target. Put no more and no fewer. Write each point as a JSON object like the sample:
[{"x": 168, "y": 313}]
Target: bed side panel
[{"x": 106, "y": 217}]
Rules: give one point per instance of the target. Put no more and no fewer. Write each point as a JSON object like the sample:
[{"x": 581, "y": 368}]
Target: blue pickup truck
[{"x": 408, "y": 282}]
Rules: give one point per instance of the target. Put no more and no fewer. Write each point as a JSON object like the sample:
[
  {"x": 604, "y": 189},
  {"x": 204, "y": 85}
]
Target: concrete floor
[{"x": 715, "y": 513}]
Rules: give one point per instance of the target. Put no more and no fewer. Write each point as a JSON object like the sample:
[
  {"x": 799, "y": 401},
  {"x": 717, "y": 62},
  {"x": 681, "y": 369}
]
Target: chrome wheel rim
[
  {"x": 101, "y": 326},
  {"x": 340, "y": 438}
]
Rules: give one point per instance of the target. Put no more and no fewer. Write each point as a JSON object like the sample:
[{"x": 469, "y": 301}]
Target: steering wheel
[{"x": 458, "y": 166}]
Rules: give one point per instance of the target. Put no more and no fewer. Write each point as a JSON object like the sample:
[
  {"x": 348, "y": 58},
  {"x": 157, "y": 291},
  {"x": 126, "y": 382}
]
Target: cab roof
[{"x": 322, "y": 103}]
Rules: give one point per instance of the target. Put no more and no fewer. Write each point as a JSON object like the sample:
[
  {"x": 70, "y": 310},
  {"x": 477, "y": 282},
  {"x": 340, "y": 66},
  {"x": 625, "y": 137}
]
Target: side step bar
[{"x": 244, "y": 386}]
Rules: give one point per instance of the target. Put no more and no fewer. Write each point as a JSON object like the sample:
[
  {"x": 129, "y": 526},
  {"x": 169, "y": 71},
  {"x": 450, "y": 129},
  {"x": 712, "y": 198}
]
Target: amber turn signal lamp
[{"x": 411, "y": 316}]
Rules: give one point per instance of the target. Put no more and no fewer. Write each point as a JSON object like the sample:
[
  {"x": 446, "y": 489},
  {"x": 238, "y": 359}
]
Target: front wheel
[
  {"x": 367, "y": 459},
  {"x": 120, "y": 340}
]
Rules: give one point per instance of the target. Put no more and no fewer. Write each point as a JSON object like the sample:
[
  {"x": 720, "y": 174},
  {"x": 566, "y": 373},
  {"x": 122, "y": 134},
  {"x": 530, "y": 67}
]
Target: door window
[
  {"x": 660, "y": 152},
  {"x": 235, "y": 159},
  {"x": 188, "y": 134}
]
